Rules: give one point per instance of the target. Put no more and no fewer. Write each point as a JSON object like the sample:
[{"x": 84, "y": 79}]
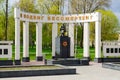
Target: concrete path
[{"x": 92, "y": 72}]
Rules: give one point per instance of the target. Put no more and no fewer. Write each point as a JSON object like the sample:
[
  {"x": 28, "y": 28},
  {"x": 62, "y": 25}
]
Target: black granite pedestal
[
  {"x": 26, "y": 59},
  {"x": 17, "y": 62},
  {"x": 101, "y": 60},
  {"x": 6, "y": 62},
  {"x": 39, "y": 58},
  {"x": 69, "y": 61}
]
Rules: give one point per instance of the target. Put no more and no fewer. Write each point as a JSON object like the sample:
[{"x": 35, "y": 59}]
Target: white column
[
  {"x": 25, "y": 39},
  {"x": 17, "y": 39},
  {"x": 98, "y": 39},
  {"x": 54, "y": 35},
  {"x": 39, "y": 42},
  {"x": 71, "y": 35},
  {"x": 119, "y": 37},
  {"x": 86, "y": 40}
]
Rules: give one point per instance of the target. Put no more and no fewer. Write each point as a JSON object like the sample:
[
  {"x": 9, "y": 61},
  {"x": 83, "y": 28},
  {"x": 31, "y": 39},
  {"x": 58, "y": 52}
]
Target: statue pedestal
[
  {"x": 68, "y": 62},
  {"x": 62, "y": 49}
]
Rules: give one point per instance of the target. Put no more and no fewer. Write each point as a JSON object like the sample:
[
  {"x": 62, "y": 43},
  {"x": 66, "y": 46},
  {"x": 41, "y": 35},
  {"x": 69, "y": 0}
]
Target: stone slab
[
  {"x": 115, "y": 66},
  {"x": 101, "y": 60},
  {"x": 24, "y": 73}
]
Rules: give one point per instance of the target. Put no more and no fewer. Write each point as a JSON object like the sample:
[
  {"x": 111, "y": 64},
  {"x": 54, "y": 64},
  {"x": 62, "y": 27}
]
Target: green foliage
[
  {"x": 27, "y": 6},
  {"x": 47, "y": 35},
  {"x": 49, "y": 6},
  {"x": 1, "y": 2},
  {"x": 108, "y": 24},
  {"x": 10, "y": 27},
  {"x": 2, "y": 27},
  {"x": 87, "y": 6}
]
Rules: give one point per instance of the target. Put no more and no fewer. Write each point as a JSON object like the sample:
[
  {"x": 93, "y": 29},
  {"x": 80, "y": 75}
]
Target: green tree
[
  {"x": 108, "y": 23},
  {"x": 87, "y": 6},
  {"x": 4, "y": 17},
  {"x": 28, "y": 6},
  {"x": 48, "y": 7},
  {"x": 2, "y": 26},
  {"x": 11, "y": 26}
]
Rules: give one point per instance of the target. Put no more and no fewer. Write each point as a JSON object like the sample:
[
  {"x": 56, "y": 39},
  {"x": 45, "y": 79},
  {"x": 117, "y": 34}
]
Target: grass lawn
[
  {"x": 79, "y": 53},
  {"x": 48, "y": 53},
  {"x": 42, "y": 67}
]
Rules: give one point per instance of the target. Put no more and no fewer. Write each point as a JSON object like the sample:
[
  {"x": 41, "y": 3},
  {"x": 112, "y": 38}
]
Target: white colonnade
[{"x": 39, "y": 19}]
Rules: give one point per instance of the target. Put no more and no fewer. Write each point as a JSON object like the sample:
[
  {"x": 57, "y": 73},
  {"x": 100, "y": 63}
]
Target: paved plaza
[{"x": 92, "y": 72}]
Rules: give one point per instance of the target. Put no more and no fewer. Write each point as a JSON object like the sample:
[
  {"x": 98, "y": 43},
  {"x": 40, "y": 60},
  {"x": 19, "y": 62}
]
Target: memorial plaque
[{"x": 65, "y": 47}]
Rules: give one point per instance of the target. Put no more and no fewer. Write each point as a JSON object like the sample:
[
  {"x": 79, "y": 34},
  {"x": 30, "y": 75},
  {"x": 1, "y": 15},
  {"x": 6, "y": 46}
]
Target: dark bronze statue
[{"x": 63, "y": 30}]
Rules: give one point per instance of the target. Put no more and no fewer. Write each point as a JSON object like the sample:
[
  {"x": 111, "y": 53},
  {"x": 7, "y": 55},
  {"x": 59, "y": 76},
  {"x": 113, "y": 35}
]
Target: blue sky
[
  {"x": 12, "y": 1},
  {"x": 115, "y": 6}
]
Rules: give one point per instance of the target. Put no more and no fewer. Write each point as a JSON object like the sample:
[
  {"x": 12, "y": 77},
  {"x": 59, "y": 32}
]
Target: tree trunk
[
  {"x": 81, "y": 41},
  {"x": 93, "y": 46},
  {"x": 30, "y": 40},
  {"x": 6, "y": 20}
]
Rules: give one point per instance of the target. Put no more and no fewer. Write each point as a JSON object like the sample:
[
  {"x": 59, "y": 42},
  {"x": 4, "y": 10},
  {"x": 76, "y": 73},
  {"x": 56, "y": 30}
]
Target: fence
[
  {"x": 6, "y": 49},
  {"x": 111, "y": 48}
]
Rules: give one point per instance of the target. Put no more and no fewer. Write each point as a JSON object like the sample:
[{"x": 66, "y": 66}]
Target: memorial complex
[{"x": 63, "y": 57}]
